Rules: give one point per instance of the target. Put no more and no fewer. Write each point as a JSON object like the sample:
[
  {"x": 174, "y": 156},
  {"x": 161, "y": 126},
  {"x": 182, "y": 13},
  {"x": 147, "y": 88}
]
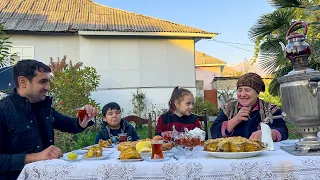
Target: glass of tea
[
  {"x": 249, "y": 108},
  {"x": 157, "y": 149},
  {"x": 122, "y": 137},
  {"x": 81, "y": 113}
]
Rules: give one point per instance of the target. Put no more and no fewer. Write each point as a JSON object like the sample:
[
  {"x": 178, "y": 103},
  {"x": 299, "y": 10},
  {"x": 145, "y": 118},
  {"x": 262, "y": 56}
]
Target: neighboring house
[
  {"x": 229, "y": 72},
  {"x": 207, "y": 68},
  {"x": 128, "y": 50}
]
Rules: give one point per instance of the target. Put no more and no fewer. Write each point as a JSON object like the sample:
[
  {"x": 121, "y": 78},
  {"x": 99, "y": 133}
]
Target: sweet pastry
[
  {"x": 94, "y": 151},
  {"x": 166, "y": 146},
  {"x": 106, "y": 143},
  {"x": 129, "y": 153},
  {"x": 232, "y": 144},
  {"x": 124, "y": 145}
]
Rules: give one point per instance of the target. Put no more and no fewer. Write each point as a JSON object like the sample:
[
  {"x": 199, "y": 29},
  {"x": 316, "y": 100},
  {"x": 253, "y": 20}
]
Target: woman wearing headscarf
[{"x": 242, "y": 117}]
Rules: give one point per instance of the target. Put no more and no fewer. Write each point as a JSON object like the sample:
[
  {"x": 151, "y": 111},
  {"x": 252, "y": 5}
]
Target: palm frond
[
  {"x": 271, "y": 55},
  {"x": 277, "y": 21},
  {"x": 274, "y": 87},
  {"x": 287, "y": 3}
]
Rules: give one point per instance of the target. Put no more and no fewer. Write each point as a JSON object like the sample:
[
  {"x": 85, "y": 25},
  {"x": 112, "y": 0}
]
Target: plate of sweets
[
  {"x": 95, "y": 153},
  {"x": 105, "y": 143},
  {"x": 233, "y": 147},
  {"x": 189, "y": 139},
  {"x": 130, "y": 154}
]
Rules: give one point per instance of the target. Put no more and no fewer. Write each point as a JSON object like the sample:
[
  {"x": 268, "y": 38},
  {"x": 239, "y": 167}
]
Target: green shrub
[{"x": 201, "y": 104}]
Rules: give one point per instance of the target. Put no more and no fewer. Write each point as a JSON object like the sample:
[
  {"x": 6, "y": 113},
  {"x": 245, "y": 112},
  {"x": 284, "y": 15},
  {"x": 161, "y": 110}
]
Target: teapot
[{"x": 297, "y": 49}]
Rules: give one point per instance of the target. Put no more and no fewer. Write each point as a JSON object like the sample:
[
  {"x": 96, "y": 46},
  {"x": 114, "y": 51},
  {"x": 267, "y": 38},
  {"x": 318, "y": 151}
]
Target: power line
[{"x": 225, "y": 43}]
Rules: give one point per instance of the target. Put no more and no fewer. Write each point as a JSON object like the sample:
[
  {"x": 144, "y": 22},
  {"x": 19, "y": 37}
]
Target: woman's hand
[
  {"x": 256, "y": 135},
  {"x": 242, "y": 115}
]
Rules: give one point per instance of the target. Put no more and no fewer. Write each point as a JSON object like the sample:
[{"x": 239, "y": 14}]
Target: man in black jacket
[{"x": 27, "y": 120}]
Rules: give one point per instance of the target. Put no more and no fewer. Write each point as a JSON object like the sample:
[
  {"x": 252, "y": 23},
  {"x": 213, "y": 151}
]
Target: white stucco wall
[{"x": 154, "y": 65}]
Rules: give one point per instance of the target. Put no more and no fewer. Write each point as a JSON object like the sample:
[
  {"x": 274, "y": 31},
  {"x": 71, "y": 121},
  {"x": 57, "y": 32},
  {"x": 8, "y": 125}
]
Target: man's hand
[
  {"x": 256, "y": 135},
  {"x": 91, "y": 112},
  {"x": 52, "y": 152}
]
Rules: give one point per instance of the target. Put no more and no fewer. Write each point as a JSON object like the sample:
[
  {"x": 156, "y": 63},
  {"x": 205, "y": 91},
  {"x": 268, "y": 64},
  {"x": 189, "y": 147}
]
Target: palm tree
[
  {"x": 271, "y": 28},
  {"x": 5, "y": 44}
]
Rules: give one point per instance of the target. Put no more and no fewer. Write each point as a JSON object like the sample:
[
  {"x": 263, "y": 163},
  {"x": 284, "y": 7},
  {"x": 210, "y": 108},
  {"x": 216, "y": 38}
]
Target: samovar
[{"x": 299, "y": 90}]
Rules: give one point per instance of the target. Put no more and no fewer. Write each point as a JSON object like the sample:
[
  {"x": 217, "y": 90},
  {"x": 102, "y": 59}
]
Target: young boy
[{"x": 114, "y": 125}]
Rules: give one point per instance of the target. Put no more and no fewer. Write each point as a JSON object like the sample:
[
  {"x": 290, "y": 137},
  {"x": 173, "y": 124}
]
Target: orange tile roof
[
  {"x": 80, "y": 15},
  {"x": 230, "y": 72},
  {"x": 202, "y": 59}
]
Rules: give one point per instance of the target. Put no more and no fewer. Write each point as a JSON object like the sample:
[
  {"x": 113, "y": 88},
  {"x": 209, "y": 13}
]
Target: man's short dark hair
[
  {"x": 28, "y": 68},
  {"x": 110, "y": 106}
]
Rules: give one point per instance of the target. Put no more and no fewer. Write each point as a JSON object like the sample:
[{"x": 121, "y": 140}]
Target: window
[{"x": 22, "y": 52}]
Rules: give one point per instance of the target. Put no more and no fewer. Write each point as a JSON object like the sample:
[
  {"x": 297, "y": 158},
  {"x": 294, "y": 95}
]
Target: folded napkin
[{"x": 266, "y": 137}]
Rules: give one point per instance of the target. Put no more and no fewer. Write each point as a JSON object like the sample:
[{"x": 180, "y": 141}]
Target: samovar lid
[{"x": 299, "y": 76}]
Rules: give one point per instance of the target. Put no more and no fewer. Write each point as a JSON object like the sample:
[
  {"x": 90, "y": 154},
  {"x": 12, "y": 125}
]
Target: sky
[{"x": 232, "y": 18}]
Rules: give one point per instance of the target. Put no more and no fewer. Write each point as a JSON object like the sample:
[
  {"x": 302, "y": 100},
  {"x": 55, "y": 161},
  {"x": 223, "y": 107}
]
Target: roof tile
[
  {"x": 79, "y": 15},
  {"x": 204, "y": 59}
]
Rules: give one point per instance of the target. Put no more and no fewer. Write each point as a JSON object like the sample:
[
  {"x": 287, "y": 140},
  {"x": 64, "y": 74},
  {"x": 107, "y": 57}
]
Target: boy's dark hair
[
  {"x": 177, "y": 95},
  {"x": 28, "y": 68},
  {"x": 110, "y": 106}
]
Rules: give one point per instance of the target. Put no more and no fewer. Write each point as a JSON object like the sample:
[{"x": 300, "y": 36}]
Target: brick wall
[{"x": 225, "y": 84}]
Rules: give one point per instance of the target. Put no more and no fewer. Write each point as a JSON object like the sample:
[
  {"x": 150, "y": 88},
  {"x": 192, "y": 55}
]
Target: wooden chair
[
  {"x": 140, "y": 120},
  {"x": 204, "y": 118}
]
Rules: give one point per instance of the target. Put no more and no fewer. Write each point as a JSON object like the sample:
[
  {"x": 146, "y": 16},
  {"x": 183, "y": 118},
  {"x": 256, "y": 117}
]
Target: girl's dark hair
[
  {"x": 177, "y": 95},
  {"x": 110, "y": 106}
]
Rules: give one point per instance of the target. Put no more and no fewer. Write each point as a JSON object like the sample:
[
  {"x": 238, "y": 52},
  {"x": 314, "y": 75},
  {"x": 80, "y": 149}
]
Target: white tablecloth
[{"x": 276, "y": 164}]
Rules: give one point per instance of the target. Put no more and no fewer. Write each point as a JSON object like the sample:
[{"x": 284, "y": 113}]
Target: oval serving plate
[{"x": 234, "y": 155}]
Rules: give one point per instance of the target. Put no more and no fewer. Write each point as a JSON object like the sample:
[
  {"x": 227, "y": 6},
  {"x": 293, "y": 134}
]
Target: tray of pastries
[{"x": 233, "y": 147}]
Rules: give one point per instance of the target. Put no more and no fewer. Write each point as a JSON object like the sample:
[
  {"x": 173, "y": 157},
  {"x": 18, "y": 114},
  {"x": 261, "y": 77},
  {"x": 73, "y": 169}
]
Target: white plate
[
  {"x": 79, "y": 151},
  {"x": 157, "y": 160},
  {"x": 65, "y": 157},
  {"x": 234, "y": 155},
  {"x": 145, "y": 154},
  {"x": 130, "y": 160},
  {"x": 104, "y": 156}
]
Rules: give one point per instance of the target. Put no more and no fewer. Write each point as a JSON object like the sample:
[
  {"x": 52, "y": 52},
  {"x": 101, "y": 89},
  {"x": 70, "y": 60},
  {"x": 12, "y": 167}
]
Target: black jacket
[
  {"x": 20, "y": 131},
  {"x": 126, "y": 127}
]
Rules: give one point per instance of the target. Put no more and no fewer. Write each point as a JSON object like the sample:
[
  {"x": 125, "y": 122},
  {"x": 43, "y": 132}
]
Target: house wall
[
  {"x": 206, "y": 76},
  {"x": 125, "y": 64}
]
